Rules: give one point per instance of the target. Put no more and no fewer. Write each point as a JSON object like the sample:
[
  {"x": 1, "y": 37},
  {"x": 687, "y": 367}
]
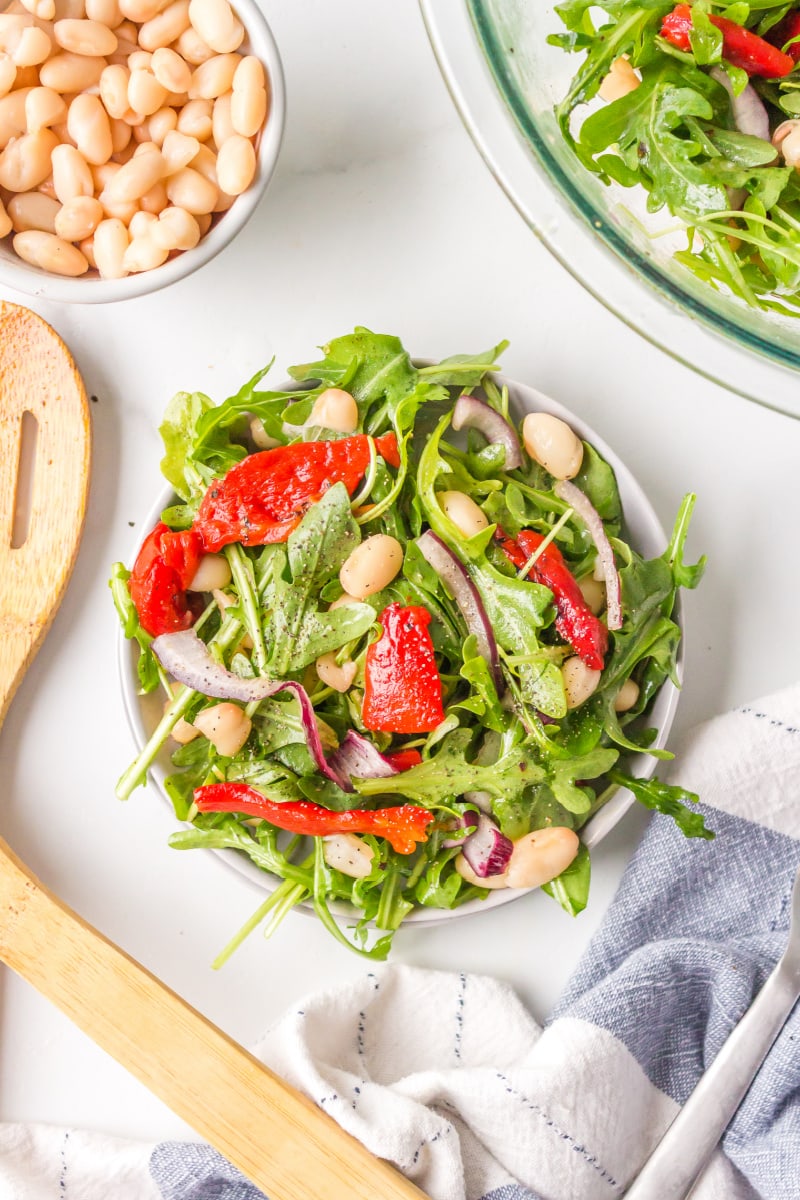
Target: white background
[{"x": 381, "y": 213}]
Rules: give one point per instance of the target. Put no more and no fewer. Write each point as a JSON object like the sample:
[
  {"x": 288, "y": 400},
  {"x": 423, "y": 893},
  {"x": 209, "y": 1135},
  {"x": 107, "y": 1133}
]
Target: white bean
[
  {"x": 162, "y": 122},
  {"x": 176, "y": 230},
  {"x": 145, "y": 94},
  {"x": 71, "y": 174},
  {"x": 468, "y": 517},
  {"x": 79, "y": 218},
  {"x": 107, "y": 12},
  {"x": 71, "y": 73},
  {"x": 348, "y": 853},
  {"x": 217, "y": 24},
  {"x": 248, "y": 107},
  {"x": 137, "y": 176},
  {"x": 594, "y": 593},
  {"x": 260, "y": 438},
  {"x": 540, "y": 856},
  {"x": 110, "y": 244},
  {"x": 225, "y": 726},
  {"x": 580, "y": 681},
  {"x": 120, "y": 137},
  {"x": 140, "y": 11},
  {"x": 12, "y": 115},
  {"x": 339, "y": 677},
  {"x": 51, "y": 253},
  {"x": 627, "y": 696},
  {"x": 179, "y": 149},
  {"x": 114, "y": 90},
  {"x": 45, "y": 10},
  {"x": 213, "y": 571},
  {"x": 141, "y": 224},
  {"x": 85, "y": 37},
  {"x": 194, "y": 119},
  {"x": 552, "y": 443},
  {"x": 143, "y": 255},
  {"x": 335, "y": 409},
  {"x": 33, "y": 48},
  {"x": 221, "y": 124},
  {"x": 26, "y": 162},
  {"x": 619, "y": 81},
  {"x": 188, "y": 189},
  {"x": 371, "y": 566},
  {"x": 182, "y": 732},
  {"x": 88, "y": 125},
  {"x": 43, "y": 107},
  {"x": 192, "y": 47},
  {"x": 236, "y": 165},
  {"x": 5, "y": 221},
  {"x": 32, "y": 210},
  {"x": 171, "y": 71},
  {"x": 343, "y": 600},
  {"x": 86, "y": 248},
  {"x": 213, "y": 77},
  {"x": 155, "y": 200},
  {"x": 489, "y": 881},
  {"x": 8, "y": 73},
  {"x": 166, "y": 27}
]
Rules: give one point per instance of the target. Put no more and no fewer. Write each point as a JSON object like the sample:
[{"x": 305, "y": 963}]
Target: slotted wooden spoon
[{"x": 285, "y": 1144}]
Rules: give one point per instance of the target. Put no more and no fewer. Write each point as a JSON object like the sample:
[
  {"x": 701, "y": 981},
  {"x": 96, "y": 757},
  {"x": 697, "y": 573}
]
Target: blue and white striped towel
[{"x": 475, "y": 1101}]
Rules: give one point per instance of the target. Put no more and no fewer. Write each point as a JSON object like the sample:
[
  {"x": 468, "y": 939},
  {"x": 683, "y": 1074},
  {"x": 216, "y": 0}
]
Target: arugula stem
[
  {"x": 285, "y": 896},
  {"x": 540, "y": 549},
  {"x": 244, "y": 579}
]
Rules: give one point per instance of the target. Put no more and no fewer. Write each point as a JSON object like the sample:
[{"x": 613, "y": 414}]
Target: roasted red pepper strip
[
  {"x": 403, "y": 827},
  {"x": 402, "y": 688},
  {"x": 404, "y": 760},
  {"x": 164, "y": 568},
  {"x": 740, "y": 46},
  {"x": 575, "y": 621},
  {"x": 263, "y": 498}
]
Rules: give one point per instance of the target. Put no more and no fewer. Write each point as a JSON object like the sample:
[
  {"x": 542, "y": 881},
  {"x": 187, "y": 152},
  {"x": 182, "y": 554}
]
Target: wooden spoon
[{"x": 285, "y": 1144}]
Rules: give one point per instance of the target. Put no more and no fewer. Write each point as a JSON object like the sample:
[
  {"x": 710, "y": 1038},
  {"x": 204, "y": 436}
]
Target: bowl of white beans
[{"x": 137, "y": 138}]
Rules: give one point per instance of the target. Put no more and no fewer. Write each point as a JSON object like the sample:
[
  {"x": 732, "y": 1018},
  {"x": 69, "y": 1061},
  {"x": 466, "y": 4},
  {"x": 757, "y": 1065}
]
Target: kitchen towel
[{"x": 473, "y": 1100}]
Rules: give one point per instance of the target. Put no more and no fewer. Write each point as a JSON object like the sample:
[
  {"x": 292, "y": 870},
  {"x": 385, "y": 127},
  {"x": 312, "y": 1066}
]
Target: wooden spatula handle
[{"x": 278, "y": 1139}]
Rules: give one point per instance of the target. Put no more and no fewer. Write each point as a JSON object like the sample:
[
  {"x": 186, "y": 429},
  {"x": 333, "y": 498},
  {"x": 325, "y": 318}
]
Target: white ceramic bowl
[
  {"x": 645, "y": 534},
  {"x": 90, "y": 288}
]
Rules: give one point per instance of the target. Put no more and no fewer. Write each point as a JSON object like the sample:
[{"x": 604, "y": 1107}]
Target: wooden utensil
[{"x": 278, "y": 1138}]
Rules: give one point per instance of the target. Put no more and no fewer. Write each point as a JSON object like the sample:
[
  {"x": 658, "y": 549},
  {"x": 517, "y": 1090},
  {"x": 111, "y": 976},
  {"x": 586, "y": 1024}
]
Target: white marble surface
[{"x": 381, "y": 213}]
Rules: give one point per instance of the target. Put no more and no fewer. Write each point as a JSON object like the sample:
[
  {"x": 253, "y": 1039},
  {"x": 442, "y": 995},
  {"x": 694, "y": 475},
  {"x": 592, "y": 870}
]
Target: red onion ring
[
  {"x": 454, "y": 576},
  {"x": 190, "y": 662},
  {"x": 749, "y": 113},
  {"x": 575, "y": 498},
  {"x": 472, "y": 413}
]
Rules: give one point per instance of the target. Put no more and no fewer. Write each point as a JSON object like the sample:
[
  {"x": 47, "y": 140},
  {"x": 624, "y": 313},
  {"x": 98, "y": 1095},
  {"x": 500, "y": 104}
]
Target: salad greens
[
  {"x": 699, "y": 130},
  {"x": 509, "y": 750}
]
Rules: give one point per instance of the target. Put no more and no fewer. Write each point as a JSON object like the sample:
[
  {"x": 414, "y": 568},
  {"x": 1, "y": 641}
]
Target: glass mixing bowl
[{"x": 505, "y": 80}]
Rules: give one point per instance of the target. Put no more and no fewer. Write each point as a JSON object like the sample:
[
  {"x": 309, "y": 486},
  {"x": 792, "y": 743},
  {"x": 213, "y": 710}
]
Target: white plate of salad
[{"x": 402, "y": 639}]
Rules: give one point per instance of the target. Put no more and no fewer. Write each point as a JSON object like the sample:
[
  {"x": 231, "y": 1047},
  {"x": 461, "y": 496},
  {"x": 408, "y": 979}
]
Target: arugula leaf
[
  {"x": 147, "y": 666},
  {"x": 571, "y": 887},
  {"x": 669, "y": 799},
  {"x": 315, "y": 553},
  {"x": 464, "y": 370}
]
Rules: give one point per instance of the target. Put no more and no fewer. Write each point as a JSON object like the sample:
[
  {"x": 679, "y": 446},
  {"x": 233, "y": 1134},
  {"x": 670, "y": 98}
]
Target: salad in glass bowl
[
  {"x": 701, "y": 108},
  {"x": 404, "y": 651}
]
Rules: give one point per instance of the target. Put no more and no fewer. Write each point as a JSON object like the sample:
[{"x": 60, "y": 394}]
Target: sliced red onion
[
  {"x": 462, "y": 830},
  {"x": 749, "y": 113},
  {"x": 487, "y": 850},
  {"x": 453, "y": 575},
  {"x": 482, "y": 799},
  {"x": 575, "y": 498},
  {"x": 188, "y": 659},
  {"x": 472, "y": 413},
  {"x": 357, "y": 756}
]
